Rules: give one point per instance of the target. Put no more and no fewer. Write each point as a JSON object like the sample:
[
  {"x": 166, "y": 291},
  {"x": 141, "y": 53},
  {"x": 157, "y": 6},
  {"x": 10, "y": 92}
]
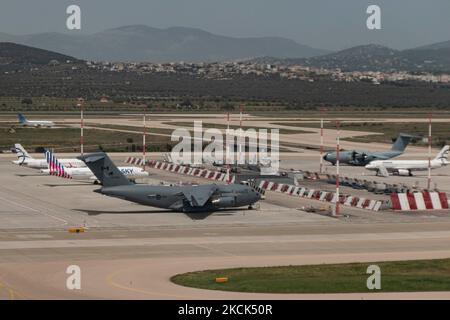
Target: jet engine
[
  {"x": 224, "y": 202},
  {"x": 404, "y": 172}
]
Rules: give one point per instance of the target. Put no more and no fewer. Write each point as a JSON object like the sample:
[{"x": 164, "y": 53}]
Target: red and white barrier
[
  {"x": 175, "y": 168},
  {"x": 419, "y": 201},
  {"x": 326, "y": 196},
  {"x": 135, "y": 161}
]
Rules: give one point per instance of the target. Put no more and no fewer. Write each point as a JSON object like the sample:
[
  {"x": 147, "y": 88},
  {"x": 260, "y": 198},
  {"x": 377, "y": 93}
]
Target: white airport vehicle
[
  {"x": 168, "y": 158},
  {"x": 56, "y": 168},
  {"x": 34, "y": 123},
  {"x": 406, "y": 167},
  {"x": 24, "y": 159}
]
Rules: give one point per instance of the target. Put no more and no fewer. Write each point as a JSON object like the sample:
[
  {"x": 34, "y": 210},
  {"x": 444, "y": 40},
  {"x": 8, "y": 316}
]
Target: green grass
[
  {"x": 189, "y": 125},
  {"x": 389, "y": 130},
  {"x": 397, "y": 276},
  {"x": 263, "y": 108},
  {"x": 68, "y": 139},
  {"x": 139, "y": 130}
]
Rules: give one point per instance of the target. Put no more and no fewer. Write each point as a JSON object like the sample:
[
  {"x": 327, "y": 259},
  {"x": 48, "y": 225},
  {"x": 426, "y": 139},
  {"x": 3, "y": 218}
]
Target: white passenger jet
[
  {"x": 34, "y": 123},
  {"x": 24, "y": 159},
  {"x": 56, "y": 168},
  {"x": 406, "y": 167}
]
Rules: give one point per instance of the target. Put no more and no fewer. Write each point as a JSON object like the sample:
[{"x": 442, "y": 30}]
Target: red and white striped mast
[
  {"x": 144, "y": 147},
  {"x": 227, "y": 146},
  {"x": 321, "y": 141},
  {"x": 429, "y": 152},
  {"x": 241, "y": 108},
  {"x": 80, "y": 104},
  {"x": 337, "y": 167},
  {"x": 240, "y": 131}
]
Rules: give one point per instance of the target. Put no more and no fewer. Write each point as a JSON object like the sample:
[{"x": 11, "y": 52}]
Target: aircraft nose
[
  {"x": 325, "y": 157},
  {"x": 258, "y": 195}
]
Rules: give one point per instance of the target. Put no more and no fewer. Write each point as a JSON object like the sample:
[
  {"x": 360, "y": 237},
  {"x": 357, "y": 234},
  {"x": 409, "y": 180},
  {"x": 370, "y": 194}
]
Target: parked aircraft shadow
[
  {"x": 198, "y": 215},
  {"x": 191, "y": 215},
  {"x": 28, "y": 175},
  {"x": 99, "y": 212},
  {"x": 66, "y": 185},
  {"x": 204, "y": 215}
]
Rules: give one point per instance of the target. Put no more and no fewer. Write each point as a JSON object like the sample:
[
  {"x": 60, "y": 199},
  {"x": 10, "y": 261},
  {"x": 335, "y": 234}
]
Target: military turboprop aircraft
[
  {"x": 361, "y": 158},
  {"x": 201, "y": 198}
]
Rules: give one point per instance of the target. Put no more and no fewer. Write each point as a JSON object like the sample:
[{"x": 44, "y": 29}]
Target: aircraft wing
[
  {"x": 199, "y": 195},
  {"x": 379, "y": 156},
  {"x": 177, "y": 205}
]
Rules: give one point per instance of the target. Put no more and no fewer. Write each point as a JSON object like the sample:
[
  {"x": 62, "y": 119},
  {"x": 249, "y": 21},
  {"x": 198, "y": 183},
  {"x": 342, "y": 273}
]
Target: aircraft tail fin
[
  {"x": 105, "y": 170},
  {"x": 402, "y": 142},
  {"x": 22, "y": 154},
  {"x": 443, "y": 154},
  {"x": 55, "y": 167},
  {"x": 22, "y": 118}
]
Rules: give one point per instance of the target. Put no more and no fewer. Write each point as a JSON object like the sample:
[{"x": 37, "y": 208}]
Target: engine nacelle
[
  {"x": 403, "y": 172},
  {"x": 224, "y": 202}
]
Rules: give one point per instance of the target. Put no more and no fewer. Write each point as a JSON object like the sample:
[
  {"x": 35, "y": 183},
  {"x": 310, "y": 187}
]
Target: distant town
[{"x": 227, "y": 70}]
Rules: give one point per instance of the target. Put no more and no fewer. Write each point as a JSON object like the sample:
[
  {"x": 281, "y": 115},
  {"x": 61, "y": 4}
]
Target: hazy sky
[{"x": 329, "y": 24}]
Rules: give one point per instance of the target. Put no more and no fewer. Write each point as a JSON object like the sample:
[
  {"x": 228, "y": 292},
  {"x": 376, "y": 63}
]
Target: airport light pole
[
  {"x": 143, "y": 141},
  {"x": 81, "y": 105},
  {"x": 337, "y": 167},
  {"x": 429, "y": 152},
  {"x": 321, "y": 141},
  {"x": 240, "y": 133},
  {"x": 241, "y": 109}
]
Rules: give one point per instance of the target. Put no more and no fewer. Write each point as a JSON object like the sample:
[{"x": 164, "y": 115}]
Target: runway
[
  {"x": 130, "y": 251},
  {"x": 130, "y": 269},
  {"x": 132, "y": 123}
]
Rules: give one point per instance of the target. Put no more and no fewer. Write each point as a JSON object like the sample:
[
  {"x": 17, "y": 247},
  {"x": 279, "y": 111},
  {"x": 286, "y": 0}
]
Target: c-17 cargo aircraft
[
  {"x": 361, "y": 158},
  {"x": 201, "y": 198},
  {"x": 406, "y": 167},
  {"x": 34, "y": 123}
]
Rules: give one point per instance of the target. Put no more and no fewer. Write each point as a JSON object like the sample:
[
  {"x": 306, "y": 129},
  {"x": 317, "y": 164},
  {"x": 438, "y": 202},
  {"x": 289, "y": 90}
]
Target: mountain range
[
  {"x": 372, "y": 57},
  {"x": 142, "y": 43},
  {"x": 16, "y": 56}
]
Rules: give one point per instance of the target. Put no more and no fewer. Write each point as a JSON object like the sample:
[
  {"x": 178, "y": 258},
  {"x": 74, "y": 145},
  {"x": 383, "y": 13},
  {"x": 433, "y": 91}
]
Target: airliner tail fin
[{"x": 55, "y": 167}]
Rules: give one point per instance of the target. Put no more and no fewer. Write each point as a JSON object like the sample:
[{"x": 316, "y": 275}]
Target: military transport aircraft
[
  {"x": 200, "y": 198},
  {"x": 362, "y": 158}
]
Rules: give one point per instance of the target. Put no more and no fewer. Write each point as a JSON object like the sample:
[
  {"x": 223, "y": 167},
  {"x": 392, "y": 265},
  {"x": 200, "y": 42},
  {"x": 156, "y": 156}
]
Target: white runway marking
[
  {"x": 15, "y": 203},
  {"x": 39, "y": 244}
]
